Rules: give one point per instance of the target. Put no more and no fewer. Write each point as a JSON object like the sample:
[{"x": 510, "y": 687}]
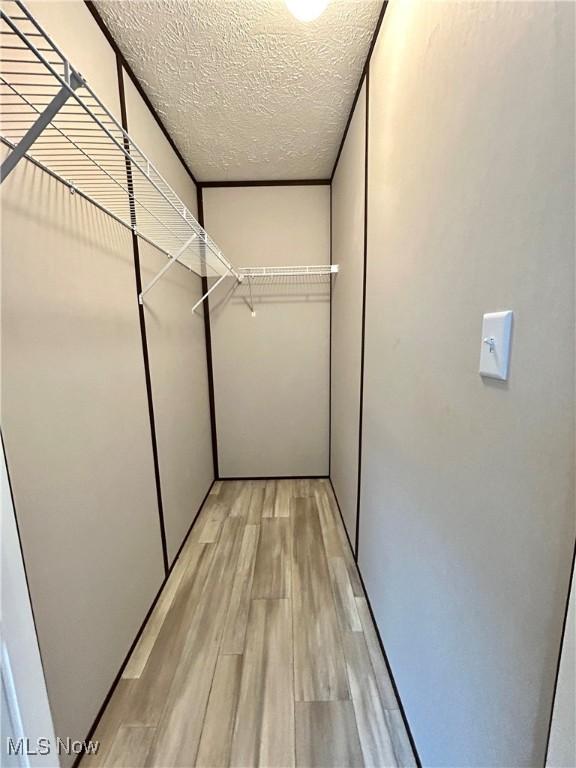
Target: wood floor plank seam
[
  {"x": 217, "y": 755},
  {"x": 375, "y": 738},
  {"x": 141, "y": 652},
  {"x": 293, "y": 639},
  {"x": 269, "y": 499},
  {"x": 272, "y": 574},
  {"x": 387, "y": 695},
  {"x": 152, "y": 689},
  {"x": 396, "y": 749},
  {"x": 338, "y": 548},
  {"x": 202, "y": 727},
  {"x": 239, "y": 605},
  {"x": 264, "y": 729},
  {"x": 220, "y": 653},
  {"x": 319, "y": 658},
  {"x": 384, "y": 679},
  {"x": 177, "y": 733},
  {"x": 367, "y": 741}
]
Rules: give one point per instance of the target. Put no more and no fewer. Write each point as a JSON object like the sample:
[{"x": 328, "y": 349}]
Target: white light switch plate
[{"x": 495, "y": 345}]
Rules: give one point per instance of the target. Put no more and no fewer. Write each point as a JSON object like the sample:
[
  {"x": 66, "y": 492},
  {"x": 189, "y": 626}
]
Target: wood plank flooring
[{"x": 261, "y": 650}]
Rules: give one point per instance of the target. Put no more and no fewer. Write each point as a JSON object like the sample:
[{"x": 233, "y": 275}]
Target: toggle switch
[{"x": 495, "y": 346}]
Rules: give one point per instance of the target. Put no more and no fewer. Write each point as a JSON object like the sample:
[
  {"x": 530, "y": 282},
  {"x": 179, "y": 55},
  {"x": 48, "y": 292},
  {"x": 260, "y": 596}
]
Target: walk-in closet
[{"x": 287, "y": 383}]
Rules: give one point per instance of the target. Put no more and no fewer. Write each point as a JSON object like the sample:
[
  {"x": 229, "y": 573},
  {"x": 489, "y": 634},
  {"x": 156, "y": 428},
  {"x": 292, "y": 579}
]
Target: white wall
[
  {"x": 467, "y": 505},
  {"x": 348, "y": 197},
  {"x": 271, "y": 374}
]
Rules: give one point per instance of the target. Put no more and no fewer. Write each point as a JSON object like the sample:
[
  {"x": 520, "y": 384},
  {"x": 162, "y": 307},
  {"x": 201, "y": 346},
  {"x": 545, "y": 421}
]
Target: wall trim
[
  {"x": 330, "y": 355},
  {"x": 267, "y": 183},
  {"x": 142, "y": 321},
  {"x": 119, "y": 55},
  {"x": 363, "y": 336},
  {"x": 382, "y": 648},
  {"x": 209, "y": 359},
  {"x": 571, "y": 586},
  {"x": 139, "y": 633},
  {"x": 359, "y": 88},
  {"x": 278, "y": 477}
]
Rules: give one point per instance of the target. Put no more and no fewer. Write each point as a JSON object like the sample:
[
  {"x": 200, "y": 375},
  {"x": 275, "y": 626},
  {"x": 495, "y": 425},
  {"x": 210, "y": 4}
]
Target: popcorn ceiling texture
[{"x": 245, "y": 90}]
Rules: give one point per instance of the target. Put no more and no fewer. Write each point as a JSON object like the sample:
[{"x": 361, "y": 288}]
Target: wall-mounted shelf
[
  {"x": 52, "y": 116},
  {"x": 288, "y": 274},
  {"x": 308, "y": 273}
]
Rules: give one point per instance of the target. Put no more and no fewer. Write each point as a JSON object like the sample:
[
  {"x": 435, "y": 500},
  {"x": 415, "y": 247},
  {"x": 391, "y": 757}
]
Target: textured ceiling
[{"x": 245, "y": 90}]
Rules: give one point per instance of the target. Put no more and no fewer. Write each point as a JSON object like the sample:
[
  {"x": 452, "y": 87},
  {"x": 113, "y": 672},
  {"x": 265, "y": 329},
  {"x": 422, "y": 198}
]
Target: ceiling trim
[
  {"x": 357, "y": 94},
  {"x": 108, "y": 35},
  {"x": 266, "y": 183}
]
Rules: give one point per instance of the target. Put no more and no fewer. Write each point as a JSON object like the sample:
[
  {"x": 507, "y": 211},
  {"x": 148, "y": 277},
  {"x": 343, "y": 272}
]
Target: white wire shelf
[
  {"x": 288, "y": 274},
  {"x": 52, "y": 116},
  {"x": 306, "y": 274}
]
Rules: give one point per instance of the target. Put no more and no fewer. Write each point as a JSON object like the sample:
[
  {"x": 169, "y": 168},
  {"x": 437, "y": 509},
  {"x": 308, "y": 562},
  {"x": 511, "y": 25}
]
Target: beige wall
[
  {"x": 77, "y": 434},
  {"x": 19, "y": 645},
  {"x": 177, "y": 351},
  {"x": 176, "y": 346},
  {"x": 75, "y": 413},
  {"x": 467, "y": 516},
  {"x": 348, "y": 251},
  {"x": 146, "y": 133},
  {"x": 72, "y": 28},
  {"x": 271, "y": 371}
]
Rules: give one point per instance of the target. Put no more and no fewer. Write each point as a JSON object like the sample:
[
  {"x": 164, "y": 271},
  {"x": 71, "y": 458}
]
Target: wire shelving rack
[
  {"x": 288, "y": 274},
  {"x": 50, "y": 115}
]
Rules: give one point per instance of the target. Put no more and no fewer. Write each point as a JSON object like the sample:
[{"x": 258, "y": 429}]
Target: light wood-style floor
[{"x": 261, "y": 650}]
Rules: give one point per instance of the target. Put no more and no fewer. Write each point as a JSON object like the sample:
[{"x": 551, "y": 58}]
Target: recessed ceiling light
[{"x": 306, "y": 10}]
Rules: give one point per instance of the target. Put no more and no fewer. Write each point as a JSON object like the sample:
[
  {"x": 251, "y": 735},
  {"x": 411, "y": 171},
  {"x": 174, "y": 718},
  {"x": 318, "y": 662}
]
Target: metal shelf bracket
[
  {"x": 171, "y": 261},
  {"x": 44, "y": 119},
  {"x": 212, "y": 288}
]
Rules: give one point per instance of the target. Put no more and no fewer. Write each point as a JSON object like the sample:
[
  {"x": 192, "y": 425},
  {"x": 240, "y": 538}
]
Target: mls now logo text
[{"x": 44, "y": 746}]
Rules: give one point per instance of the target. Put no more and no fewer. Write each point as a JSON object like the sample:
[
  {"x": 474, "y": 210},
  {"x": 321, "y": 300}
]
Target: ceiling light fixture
[{"x": 306, "y": 10}]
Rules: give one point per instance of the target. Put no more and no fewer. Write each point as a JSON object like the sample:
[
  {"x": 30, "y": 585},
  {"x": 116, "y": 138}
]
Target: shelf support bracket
[
  {"x": 208, "y": 292},
  {"x": 251, "y": 303},
  {"x": 171, "y": 261},
  {"x": 44, "y": 119}
]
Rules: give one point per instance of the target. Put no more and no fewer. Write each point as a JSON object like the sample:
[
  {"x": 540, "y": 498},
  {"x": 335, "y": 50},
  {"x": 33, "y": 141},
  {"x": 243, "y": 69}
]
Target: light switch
[{"x": 495, "y": 345}]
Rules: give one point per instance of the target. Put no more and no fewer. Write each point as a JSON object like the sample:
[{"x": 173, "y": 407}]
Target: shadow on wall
[
  {"x": 52, "y": 206},
  {"x": 309, "y": 289}
]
